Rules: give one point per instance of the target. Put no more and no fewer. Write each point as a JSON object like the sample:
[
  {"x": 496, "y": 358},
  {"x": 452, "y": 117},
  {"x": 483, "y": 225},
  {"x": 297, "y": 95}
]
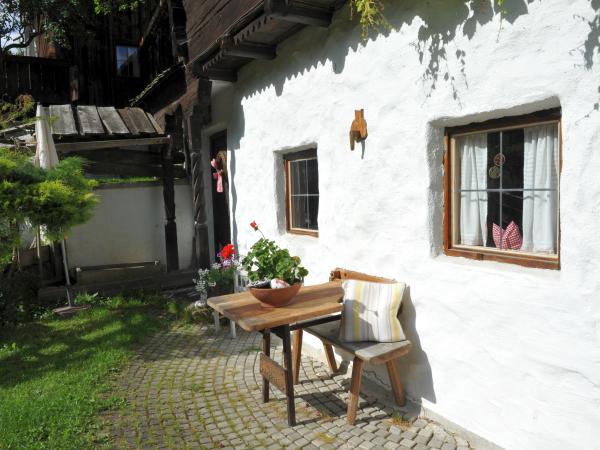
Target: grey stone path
[{"x": 190, "y": 387}]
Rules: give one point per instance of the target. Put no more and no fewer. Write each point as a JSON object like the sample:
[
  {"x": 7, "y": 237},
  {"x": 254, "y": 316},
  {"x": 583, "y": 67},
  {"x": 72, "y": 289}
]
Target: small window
[
  {"x": 302, "y": 192},
  {"x": 502, "y": 190},
  {"x": 128, "y": 63}
]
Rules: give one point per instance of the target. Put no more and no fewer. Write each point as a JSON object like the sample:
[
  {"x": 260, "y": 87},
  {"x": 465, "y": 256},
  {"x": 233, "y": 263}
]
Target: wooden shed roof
[
  {"x": 88, "y": 127},
  {"x": 85, "y": 122}
]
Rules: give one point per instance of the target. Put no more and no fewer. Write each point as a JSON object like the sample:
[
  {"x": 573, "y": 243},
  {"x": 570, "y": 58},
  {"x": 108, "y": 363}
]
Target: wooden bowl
[{"x": 276, "y": 297}]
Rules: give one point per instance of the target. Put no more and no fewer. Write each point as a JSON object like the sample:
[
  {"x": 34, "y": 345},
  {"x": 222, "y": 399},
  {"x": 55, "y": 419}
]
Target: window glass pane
[
  {"x": 493, "y": 171},
  {"x": 493, "y": 215},
  {"x": 473, "y": 183},
  {"x": 540, "y": 172},
  {"x": 313, "y": 213},
  {"x": 511, "y": 161},
  {"x": 511, "y": 234},
  {"x": 312, "y": 176},
  {"x": 302, "y": 177},
  {"x": 121, "y": 53},
  {"x": 299, "y": 208},
  {"x": 304, "y": 194}
]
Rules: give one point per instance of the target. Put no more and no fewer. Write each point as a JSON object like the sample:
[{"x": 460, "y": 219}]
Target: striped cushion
[{"x": 371, "y": 312}]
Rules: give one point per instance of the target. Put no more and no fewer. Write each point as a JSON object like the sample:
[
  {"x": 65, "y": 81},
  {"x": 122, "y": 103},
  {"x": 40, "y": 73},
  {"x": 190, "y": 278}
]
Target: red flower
[
  {"x": 228, "y": 251},
  {"x": 253, "y": 225}
]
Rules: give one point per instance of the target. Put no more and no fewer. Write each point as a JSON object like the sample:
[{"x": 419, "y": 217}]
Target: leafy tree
[
  {"x": 56, "y": 199},
  {"x": 21, "y": 21}
]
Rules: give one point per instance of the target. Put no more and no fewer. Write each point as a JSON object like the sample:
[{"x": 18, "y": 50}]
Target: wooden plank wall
[{"x": 47, "y": 80}]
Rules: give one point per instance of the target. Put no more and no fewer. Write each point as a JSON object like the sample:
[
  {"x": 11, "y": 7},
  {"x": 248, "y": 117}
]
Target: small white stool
[{"x": 216, "y": 317}]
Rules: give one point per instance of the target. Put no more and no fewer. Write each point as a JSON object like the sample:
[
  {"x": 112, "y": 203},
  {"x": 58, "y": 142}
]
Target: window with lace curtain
[{"x": 502, "y": 190}]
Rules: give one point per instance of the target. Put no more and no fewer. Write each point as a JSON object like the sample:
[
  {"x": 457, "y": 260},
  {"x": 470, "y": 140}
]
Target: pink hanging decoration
[{"x": 218, "y": 175}]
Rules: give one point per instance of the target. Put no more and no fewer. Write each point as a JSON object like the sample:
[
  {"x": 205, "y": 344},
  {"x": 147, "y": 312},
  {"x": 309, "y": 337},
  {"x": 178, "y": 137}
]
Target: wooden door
[{"x": 218, "y": 152}]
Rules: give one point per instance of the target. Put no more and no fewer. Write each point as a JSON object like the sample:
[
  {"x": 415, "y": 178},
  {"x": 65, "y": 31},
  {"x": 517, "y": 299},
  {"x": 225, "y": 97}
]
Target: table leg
[
  {"x": 296, "y": 353},
  {"x": 267, "y": 351},
  {"x": 289, "y": 383}
]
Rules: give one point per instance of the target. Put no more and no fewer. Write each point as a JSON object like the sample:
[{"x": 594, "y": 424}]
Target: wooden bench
[{"x": 363, "y": 352}]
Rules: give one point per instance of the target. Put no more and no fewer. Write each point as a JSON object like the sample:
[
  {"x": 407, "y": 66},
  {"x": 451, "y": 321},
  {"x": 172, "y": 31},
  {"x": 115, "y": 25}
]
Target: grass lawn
[{"x": 55, "y": 374}]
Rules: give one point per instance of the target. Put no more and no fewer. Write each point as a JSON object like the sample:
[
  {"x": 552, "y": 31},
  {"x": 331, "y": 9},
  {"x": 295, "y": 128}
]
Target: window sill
[
  {"x": 525, "y": 260},
  {"x": 301, "y": 232}
]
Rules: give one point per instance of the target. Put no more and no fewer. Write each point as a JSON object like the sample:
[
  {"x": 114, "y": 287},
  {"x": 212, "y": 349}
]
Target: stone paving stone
[
  {"x": 190, "y": 387},
  {"x": 408, "y": 443},
  {"x": 421, "y": 439},
  {"x": 435, "y": 443}
]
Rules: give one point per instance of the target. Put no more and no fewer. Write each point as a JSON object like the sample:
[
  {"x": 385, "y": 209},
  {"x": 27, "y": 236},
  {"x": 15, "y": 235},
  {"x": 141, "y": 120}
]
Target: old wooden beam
[
  {"x": 129, "y": 170},
  {"x": 292, "y": 12},
  {"x": 220, "y": 75},
  {"x": 113, "y": 143},
  {"x": 126, "y": 156},
  {"x": 169, "y": 200},
  {"x": 248, "y": 50}
]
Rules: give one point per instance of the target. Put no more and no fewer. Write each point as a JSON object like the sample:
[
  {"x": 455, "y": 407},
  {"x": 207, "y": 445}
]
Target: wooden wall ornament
[{"x": 358, "y": 130}]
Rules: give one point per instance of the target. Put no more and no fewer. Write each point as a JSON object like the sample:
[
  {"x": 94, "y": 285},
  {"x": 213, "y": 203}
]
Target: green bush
[{"x": 56, "y": 199}]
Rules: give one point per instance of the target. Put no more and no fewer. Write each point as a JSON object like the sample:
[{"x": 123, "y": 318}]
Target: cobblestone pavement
[{"x": 190, "y": 387}]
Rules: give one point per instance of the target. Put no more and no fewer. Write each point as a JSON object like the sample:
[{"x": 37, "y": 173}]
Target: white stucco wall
[
  {"x": 509, "y": 353},
  {"x": 128, "y": 227}
]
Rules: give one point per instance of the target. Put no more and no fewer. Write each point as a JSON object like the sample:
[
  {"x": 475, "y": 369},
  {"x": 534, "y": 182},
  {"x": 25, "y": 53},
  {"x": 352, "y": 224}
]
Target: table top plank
[{"x": 251, "y": 315}]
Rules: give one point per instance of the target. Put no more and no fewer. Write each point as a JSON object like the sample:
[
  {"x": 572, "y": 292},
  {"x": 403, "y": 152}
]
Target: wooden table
[{"x": 312, "y": 305}]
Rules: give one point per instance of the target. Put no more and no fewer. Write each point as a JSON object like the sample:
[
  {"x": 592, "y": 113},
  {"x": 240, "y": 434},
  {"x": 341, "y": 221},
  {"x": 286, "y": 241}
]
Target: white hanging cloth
[
  {"x": 540, "y": 171},
  {"x": 45, "y": 151},
  {"x": 473, "y": 176}
]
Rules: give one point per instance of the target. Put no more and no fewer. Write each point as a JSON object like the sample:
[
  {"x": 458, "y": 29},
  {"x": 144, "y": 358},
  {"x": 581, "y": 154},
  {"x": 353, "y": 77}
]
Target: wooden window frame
[
  {"x": 505, "y": 256},
  {"x": 287, "y": 159}
]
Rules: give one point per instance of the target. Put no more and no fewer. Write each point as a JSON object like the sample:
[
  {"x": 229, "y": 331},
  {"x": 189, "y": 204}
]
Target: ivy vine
[{"x": 372, "y": 17}]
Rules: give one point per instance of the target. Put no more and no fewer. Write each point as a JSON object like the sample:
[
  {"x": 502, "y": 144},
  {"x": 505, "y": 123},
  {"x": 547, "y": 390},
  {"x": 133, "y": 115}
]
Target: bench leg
[
  {"x": 330, "y": 357},
  {"x": 357, "y": 366},
  {"x": 395, "y": 381},
  {"x": 296, "y": 354},
  {"x": 289, "y": 383},
  {"x": 232, "y": 328}
]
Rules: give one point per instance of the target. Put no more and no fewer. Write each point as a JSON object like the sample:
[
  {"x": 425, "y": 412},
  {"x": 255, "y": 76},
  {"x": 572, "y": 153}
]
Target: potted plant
[
  {"x": 275, "y": 275},
  {"x": 219, "y": 278}
]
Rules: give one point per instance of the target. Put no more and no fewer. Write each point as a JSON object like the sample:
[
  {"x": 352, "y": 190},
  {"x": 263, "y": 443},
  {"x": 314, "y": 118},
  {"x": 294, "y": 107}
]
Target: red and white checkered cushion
[{"x": 511, "y": 236}]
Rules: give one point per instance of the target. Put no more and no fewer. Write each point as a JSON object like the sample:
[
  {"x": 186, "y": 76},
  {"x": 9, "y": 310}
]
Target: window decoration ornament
[
  {"x": 358, "y": 130},
  {"x": 494, "y": 172},
  {"x": 499, "y": 159},
  {"x": 509, "y": 238}
]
